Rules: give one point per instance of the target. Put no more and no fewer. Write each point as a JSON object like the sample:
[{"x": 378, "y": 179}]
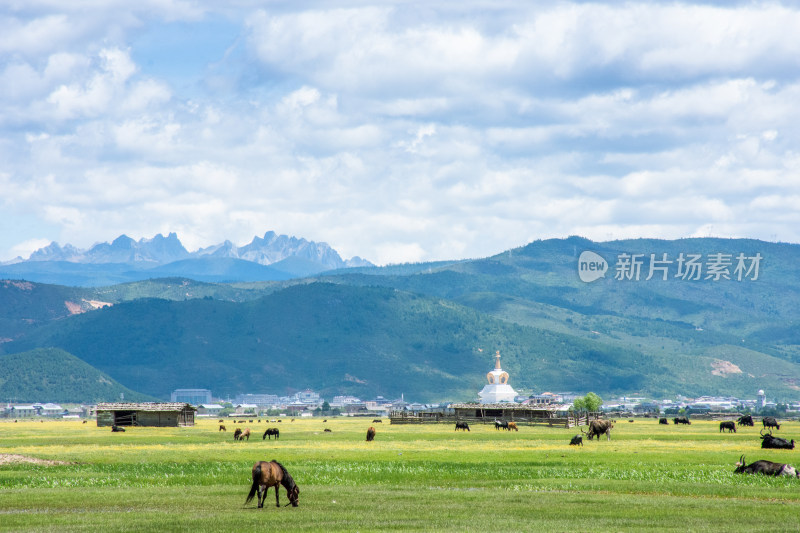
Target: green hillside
[
  {"x": 25, "y": 305},
  {"x": 53, "y": 375},
  {"x": 688, "y": 326},
  {"x": 417, "y": 329},
  {"x": 334, "y": 339}
]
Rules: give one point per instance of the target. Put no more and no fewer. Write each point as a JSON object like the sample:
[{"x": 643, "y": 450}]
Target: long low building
[{"x": 145, "y": 414}]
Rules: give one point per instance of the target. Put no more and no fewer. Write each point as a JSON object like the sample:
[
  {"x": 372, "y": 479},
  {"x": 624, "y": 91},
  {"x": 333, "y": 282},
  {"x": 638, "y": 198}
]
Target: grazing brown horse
[
  {"x": 241, "y": 435},
  {"x": 370, "y": 434},
  {"x": 271, "y": 474},
  {"x": 270, "y": 432}
]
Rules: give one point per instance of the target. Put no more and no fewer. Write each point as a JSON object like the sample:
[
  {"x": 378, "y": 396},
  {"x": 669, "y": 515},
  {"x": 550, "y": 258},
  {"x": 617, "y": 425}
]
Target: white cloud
[
  {"x": 397, "y": 134},
  {"x": 97, "y": 94}
]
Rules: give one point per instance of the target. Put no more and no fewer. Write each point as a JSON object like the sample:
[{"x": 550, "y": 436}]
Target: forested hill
[
  {"x": 419, "y": 329},
  {"x": 57, "y": 376},
  {"x": 334, "y": 339}
]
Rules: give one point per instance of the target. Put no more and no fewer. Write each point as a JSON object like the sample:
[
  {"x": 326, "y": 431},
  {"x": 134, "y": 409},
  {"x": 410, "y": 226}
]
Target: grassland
[{"x": 411, "y": 478}]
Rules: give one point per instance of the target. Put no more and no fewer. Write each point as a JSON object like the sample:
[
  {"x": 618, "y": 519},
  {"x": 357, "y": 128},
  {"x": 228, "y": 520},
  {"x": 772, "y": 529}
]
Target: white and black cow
[{"x": 767, "y": 468}]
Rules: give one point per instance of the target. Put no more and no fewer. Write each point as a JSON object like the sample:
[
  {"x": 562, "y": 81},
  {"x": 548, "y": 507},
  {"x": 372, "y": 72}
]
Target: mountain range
[
  {"x": 269, "y": 258},
  {"x": 660, "y": 318}
]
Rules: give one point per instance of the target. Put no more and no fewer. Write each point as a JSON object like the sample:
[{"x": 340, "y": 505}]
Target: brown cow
[
  {"x": 370, "y": 434},
  {"x": 513, "y": 425},
  {"x": 222, "y": 428},
  {"x": 241, "y": 435},
  {"x": 599, "y": 427}
]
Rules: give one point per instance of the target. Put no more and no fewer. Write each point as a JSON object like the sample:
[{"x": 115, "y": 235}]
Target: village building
[
  {"x": 50, "y": 409},
  {"x": 245, "y": 409},
  {"x": 145, "y": 414},
  {"x": 192, "y": 396},
  {"x": 21, "y": 411},
  {"x": 261, "y": 400},
  {"x": 209, "y": 409}
]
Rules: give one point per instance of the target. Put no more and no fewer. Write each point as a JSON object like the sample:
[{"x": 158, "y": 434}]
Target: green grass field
[{"x": 418, "y": 478}]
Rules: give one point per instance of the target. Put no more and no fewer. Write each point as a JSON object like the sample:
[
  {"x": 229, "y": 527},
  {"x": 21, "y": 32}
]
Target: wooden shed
[{"x": 145, "y": 414}]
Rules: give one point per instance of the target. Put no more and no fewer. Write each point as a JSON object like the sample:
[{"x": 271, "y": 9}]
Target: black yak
[{"x": 768, "y": 468}]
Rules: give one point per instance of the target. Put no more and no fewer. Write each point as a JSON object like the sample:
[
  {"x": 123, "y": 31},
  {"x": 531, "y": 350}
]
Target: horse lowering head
[
  {"x": 292, "y": 490},
  {"x": 272, "y": 474}
]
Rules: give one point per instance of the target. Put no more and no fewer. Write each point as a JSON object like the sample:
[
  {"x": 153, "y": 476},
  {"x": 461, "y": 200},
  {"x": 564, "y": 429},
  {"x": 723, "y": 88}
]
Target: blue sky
[{"x": 397, "y": 131}]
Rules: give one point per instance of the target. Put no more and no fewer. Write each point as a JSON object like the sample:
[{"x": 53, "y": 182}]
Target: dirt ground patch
[
  {"x": 10, "y": 458},
  {"x": 722, "y": 368}
]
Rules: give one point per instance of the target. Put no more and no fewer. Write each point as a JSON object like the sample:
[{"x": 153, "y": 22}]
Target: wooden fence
[{"x": 568, "y": 421}]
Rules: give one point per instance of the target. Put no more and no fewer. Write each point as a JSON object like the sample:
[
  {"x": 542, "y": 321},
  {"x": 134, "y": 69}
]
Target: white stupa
[{"x": 498, "y": 390}]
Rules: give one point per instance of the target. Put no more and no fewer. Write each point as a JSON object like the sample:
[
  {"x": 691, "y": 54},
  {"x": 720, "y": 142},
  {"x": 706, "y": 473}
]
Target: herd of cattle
[
  {"x": 603, "y": 427},
  {"x": 768, "y": 440}
]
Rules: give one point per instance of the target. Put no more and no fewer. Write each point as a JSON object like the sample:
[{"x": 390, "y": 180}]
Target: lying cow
[
  {"x": 681, "y": 420},
  {"x": 114, "y": 428},
  {"x": 768, "y": 468},
  {"x": 775, "y": 443},
  {"x": 577, "y": 440},
  {"x": 729, "y": 425},
  {"x": 462, "y": 425},
  {"x": 599, "y": 427}
]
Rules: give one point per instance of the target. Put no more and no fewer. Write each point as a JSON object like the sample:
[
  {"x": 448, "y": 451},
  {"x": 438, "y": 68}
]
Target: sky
[{"x": 397, "y": 131}]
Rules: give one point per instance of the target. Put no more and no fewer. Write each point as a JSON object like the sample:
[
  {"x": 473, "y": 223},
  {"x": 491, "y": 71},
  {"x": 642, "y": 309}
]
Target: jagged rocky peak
[
  {"x": 225, "y": 249},
  {"x": 160, "y": 250},
  {"x": 54, "y": 252},
  {"x": 273, "y": 248}
]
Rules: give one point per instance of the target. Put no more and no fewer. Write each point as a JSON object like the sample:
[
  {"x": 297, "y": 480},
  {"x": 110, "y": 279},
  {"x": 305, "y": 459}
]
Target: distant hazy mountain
[
  {"x": 273, "y": 248},
  {"x": 158, "y": 250},
  {"x": 271, "y": 258}
]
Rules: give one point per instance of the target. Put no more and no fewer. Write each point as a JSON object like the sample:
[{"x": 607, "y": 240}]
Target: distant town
[{"x": 308, "y": 403}]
